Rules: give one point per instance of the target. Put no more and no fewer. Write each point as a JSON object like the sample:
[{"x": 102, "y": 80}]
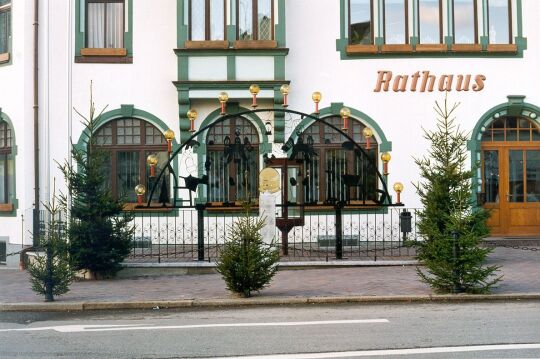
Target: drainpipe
[{"x": 35, "y": 237}]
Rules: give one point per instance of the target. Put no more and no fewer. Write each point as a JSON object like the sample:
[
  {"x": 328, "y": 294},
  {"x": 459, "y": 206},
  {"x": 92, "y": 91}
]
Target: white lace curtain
[{"x": 105, "y": 25}]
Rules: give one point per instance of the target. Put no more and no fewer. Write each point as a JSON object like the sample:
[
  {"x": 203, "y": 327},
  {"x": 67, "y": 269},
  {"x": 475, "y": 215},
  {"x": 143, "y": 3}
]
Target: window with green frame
[
  {"x": 255, "y": 19},
  {"x": 129, "y": 141},
  {"x": 500, "y": 21},
  {"x": 104, "y": 31},
  {"x": 206, "y": 20},
  {"x": 5, "y": 29},
  {"x": 6, "y": 163}
]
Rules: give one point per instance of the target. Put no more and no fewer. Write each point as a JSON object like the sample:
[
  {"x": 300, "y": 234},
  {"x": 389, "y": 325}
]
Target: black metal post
[
  {"x": 456, "y": 288},
  {"x": 200, "y": 232},
  {"x": 49, "y": 268},
  {"x": 339, "y": 233}
]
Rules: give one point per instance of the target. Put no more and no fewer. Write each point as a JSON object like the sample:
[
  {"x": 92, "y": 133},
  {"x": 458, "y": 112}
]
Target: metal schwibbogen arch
[{"x": 300, "y": 151}]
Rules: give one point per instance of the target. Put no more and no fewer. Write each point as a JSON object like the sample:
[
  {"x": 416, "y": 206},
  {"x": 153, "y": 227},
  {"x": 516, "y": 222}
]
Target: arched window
[
  {"x": 6, "y": 165},
  {"x": 129, "y": 142},
  {"x": 325, "y": 171},
  {"x": 232, "y": 161}
]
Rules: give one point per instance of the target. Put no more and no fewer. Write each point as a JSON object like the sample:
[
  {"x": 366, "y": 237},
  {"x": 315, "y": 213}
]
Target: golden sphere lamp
[
  {"x": 169, "y": 136},
  {"x": 223, "y": 98},
  {"x": 385, "y": 158},
  {"x": 140, "y": 190},
  {"x": 192, "y": 116},
  {"x": 368, "y": 133},
  {"x": 316, "y": 97},
  {"x": 398, "y": 187},
  {"x": 254, "y": 90},
  {"x": 345, "y": 113},
  {"x": 152, "y": 161},
  {"x": 284, "y": 89}
]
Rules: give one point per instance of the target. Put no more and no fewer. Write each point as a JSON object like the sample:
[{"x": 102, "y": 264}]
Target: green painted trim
[
  {"x": 519, "y": 13},
  {"x": 9, "y": 42},
  {"x": 333, "y": 110},
  {"x": 379, "y": 41},
  {"x": 230, "y": 51},
  {"x": 514, "y": 105},
  {"x": 448, "y": 41},
  {"x": 183, "y": 69},
  {"x": 343, "y": 19},
  {"x": 485, "y": 12},
  {"x": 80, "y": 28},
  {"x": 231, "y": 34},
  {"x": 182, "y": 27},
  {"x": 127, "y": 111},
  {"x": 264, "y": 146},
  {"x": 279, "y": 67},
  {"x": 226, "y": 85},
  {"x": 415, "y": 20},
  {"x": 281, "y": 27},
  {"x": 279, "y": 117},
  {"x": 231, "y": 68},
  {"x": 12, "y": 164},
  {"x": 184, "y": 104},
  {"x": 449, "y": 19},
  {"x": 380, "y": 18}
]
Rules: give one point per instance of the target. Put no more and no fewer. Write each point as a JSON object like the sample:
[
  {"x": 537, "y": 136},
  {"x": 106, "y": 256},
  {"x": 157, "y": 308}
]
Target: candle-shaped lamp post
[
  {"x": 284, "y": 89},
  {"x": 140, "y": 190},
  {"x": 316, "y": 97},
  {"x": 223, "y": 98},
  {"x": 169, "y": 136},
  {"x": 345, "y": 113},
  {"x": 152, "y": 161},
  {"x": 254, "y": 90},
  {"x": 368, "y": 133},
  {"x": 398, "y": 187},
  {"x": 385, "y": 158},
  {"x": 192, "y": 116}
]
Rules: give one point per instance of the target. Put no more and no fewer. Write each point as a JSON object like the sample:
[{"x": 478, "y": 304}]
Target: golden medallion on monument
[{"x": 269, "y": 180}]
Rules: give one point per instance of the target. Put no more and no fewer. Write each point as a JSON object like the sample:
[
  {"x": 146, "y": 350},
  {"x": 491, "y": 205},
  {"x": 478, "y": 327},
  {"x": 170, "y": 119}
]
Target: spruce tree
[
  {"x": 51, "y": 274},
  {"x": 246, "y": 263},
  {"x": 451, "y": 224},
  {"x": 100, "y": 231}
]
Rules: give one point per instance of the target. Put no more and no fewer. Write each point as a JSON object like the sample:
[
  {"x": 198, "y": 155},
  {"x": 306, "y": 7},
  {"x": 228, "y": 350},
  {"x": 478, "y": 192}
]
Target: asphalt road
[{"x": 467, "y": 330}]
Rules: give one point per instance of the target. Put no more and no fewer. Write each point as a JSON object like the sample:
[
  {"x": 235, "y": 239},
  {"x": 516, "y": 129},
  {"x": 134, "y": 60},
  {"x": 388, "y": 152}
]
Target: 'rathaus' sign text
[{"x": 423, "y": 81}]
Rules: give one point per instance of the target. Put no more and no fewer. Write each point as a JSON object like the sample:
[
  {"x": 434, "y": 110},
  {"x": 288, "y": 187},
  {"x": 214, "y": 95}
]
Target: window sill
[
  {"x": 431, "y": 48},
  {"x": 135, "y": 207},
  {"x": 4, "y": 57},
  {"x": 206, "y": 44},
  {"x": 467, "y": 48},
  {"x": 6, "y": 207},
  {"x": 103, "y": 59},
  {"x": 361, "y": 49},
  {"x": 255, "y": 44},
  {"x": 103, "y": 52},
  {"x": 396, "y": 48},
  {"x": 502, "y": 48}
]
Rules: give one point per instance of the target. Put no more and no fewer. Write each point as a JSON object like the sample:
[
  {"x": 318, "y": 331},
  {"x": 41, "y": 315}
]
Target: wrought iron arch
[{"x": 296, "y": 149}]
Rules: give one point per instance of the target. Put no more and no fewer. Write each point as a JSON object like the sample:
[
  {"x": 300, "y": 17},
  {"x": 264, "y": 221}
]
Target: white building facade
[{"x": 150, "y": 62}]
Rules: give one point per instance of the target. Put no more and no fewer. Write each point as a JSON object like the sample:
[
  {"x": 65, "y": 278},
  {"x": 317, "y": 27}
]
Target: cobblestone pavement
[{"x": 520, "y": 268}]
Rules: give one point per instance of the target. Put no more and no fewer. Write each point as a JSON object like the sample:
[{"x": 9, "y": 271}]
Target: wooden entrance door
[{"x": 511, "y": 186}]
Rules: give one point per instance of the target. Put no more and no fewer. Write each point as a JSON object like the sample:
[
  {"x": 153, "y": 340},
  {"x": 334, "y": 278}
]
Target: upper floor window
[
  {"x": 232, "y": 161},
  {"x": 360, "y": 24},
  {"x": 499, "y": 23},
  {"x": 255, "y": 19},
  {"x": 105, "y": 24},
  {"x": 207, "y": 20},
  {"x": 129, "y": 141},
  {"x": 5, "y": 28},
  {"x": 465, "y": 22},
  {"x": 396, "y": 22},
  {"x": 5, "y": 163},
  {"x": 430, "y": 21}
]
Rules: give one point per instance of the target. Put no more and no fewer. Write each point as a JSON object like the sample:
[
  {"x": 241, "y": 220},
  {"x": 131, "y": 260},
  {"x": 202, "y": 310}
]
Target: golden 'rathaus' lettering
[{"x": 425, "y": 81}]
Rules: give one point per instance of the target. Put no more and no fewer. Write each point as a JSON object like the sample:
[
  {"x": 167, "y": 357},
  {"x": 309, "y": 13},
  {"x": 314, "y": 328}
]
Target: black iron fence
[{"x": 181, "y": 236}]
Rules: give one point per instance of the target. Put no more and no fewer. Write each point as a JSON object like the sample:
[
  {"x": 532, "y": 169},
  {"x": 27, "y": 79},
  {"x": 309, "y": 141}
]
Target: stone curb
[{"x": 259, "y": 301}]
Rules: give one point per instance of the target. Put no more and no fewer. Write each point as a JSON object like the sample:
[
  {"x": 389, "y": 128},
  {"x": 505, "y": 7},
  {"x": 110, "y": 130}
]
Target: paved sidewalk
[{"x": 521, "y": 270}]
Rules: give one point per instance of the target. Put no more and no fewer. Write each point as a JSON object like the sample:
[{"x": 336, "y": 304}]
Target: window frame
[
  {"x": 233, "y": 167},
  {"x": 476, "y": 35},
  {"x": 5, "y": 56},
  {"x": 441, "y": 34},
  {"x": 105, "y": 2},
  {"x": 406, "y": 5},
  {"x": 5, "y": 151},
  {"x": 207, "y": 19},
  {"x": 254, "y": 20},
  {"x": 510, "y": 40},
  {"x": 372, "y": 25},
  {"x": 142, "y": 148},
  {"x": 322, "y": 148}
]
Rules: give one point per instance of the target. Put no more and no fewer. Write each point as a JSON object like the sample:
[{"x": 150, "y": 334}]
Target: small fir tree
[
  {"x": 246, "y": 263},
  {"x": 51, "y": 274},
  {"x": 100, "y": 231},
  {"x": 451, "y": 225}
]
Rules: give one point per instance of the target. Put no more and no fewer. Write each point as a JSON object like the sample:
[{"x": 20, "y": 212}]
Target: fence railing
[{"x": 175, "y": 236}]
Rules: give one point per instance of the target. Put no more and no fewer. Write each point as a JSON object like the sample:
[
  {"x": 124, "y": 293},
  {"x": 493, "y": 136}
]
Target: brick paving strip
[{"x": 520, "y": 268}]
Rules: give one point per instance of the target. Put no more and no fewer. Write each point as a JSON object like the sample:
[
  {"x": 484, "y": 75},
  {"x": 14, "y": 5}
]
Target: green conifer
[{"x": 451, "y": 225}]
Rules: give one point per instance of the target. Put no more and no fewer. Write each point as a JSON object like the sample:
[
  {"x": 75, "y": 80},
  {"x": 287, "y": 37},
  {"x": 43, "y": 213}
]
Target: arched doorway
[{"x": 510, "y": 164}]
